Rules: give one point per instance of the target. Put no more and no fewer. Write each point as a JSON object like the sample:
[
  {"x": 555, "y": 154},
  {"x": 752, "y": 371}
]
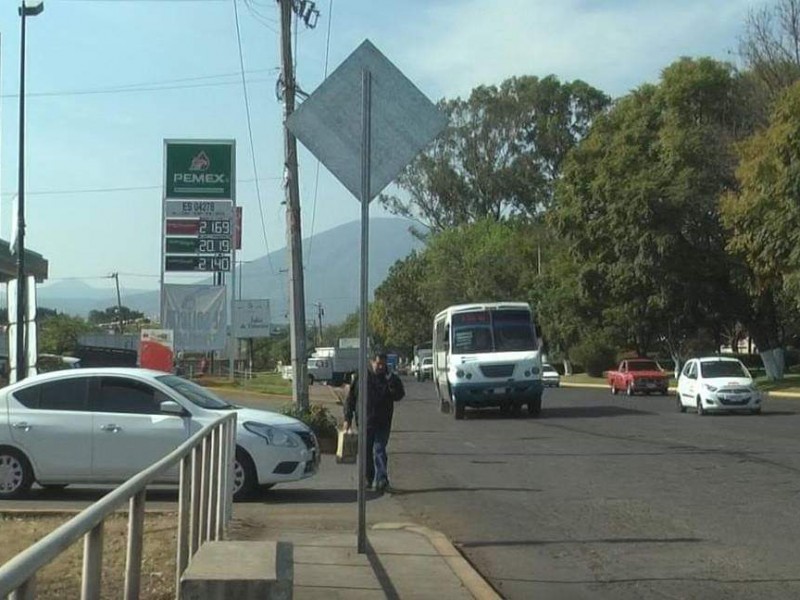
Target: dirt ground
[{"x": 62, "y": 578}]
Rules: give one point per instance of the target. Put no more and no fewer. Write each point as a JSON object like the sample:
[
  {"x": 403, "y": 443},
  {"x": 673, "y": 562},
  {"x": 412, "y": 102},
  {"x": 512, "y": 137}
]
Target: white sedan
[
  {"x": 102, "y": 426},
  {"x": 716, "y": 384},
  {"x": 550, "y": 377}
]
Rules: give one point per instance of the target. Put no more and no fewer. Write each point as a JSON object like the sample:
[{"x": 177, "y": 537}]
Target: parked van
[{"x": 487, "y": 355}]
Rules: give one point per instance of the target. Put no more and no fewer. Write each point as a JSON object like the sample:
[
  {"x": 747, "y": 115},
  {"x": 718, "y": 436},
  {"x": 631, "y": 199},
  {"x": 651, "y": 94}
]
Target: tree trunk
[
  {"x": 774, "y": 363},
  {"x": 567, "y": 367}
]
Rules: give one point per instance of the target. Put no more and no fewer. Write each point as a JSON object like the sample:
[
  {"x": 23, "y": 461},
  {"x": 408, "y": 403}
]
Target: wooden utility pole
[
  {"x": 320, "y": 314},
  {"x": 297, "y": 317},
  {"x": 119, "y": 304}
]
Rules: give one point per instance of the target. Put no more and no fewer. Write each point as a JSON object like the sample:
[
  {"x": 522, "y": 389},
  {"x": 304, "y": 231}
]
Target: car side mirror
[{"x": 171, "y": 407}]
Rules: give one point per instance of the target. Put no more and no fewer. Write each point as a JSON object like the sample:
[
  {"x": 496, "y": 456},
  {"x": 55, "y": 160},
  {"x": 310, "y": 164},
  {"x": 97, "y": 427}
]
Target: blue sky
[{"x": 84, "y": 133}]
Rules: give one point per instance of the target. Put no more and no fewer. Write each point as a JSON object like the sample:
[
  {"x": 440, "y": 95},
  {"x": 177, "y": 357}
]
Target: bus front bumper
[{"x": 494, "y": 393}]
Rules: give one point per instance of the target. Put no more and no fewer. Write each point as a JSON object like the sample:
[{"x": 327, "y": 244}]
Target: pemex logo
[{"x": 200, "y": 162}]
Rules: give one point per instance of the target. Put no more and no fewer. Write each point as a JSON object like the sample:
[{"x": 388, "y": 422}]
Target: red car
[{"x": 638, "y": 375}]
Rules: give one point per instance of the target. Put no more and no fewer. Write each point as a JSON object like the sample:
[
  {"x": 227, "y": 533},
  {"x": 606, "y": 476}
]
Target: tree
[
  {"x": 59, "y": 334},
  {"x": 113, "y": 314},
  {"x": 637, "y": 207},
  {"x": 770, "y": 45},
  {"x": 500, "y": 155},
  {"x": 763, "y": 220},
  {"x": 484, "y": 262},
  {"x": 403, "y": 315}
]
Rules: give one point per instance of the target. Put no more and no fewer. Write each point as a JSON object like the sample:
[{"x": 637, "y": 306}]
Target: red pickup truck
[{"x": 638, "y": 375}]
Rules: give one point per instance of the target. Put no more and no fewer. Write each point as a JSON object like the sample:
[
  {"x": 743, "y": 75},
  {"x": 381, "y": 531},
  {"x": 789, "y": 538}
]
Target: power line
[
  {"x": 118, "y": 189},
  {"x": 250, "y": 131},
  {"x": 146, "y": 87},
  {"x": 316, "y": 176}
]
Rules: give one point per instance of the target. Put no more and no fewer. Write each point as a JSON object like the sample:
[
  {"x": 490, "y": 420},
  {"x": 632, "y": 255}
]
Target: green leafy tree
[
  {"x": 763, "y": 219},
  {"x": 403, "y": 315},
  {"x": 501, "y": 153},
  {"x": 112, "y": 314},
  {"x": 637, "y": 207},
  {"x": 58, "y": 334}
]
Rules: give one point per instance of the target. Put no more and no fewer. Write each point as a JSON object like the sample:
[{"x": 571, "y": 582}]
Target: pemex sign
[{"x": 199, "y": 169}]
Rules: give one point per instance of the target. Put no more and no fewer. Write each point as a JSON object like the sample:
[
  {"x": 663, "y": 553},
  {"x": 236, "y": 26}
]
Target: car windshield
[
  {"x": 548, "y": 369},
  {"x": 722, "y": 368},
  {"x": 196, "y": 394},
  {"x": 643, "y": 365},
  {"x": 427, "y": 361},
  {"x": 493, "y": 331}
]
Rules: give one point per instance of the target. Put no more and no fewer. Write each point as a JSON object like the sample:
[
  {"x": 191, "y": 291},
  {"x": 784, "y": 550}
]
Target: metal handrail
[{"x": 203, "y": 514}]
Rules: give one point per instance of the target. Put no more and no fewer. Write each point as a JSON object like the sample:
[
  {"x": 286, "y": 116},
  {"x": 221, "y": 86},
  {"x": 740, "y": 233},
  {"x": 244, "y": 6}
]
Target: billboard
[
  {"x": 251, "y": 318},
  {"x": 197, "y": 315},
  {"x": 199, "y": 169},
  {"x": 156, "y": 349}
]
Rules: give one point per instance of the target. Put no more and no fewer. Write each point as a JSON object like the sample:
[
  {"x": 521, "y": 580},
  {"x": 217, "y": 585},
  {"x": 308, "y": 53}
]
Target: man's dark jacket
[{"x": 382, "y": 392}]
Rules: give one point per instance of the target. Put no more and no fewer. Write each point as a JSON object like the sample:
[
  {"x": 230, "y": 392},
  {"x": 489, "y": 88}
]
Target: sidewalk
[{"x": 319, "y": 516}]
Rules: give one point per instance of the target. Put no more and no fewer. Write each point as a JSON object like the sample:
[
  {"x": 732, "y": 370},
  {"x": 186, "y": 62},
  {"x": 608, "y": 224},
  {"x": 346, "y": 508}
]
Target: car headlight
[
  {"x": 710, "y": 387},
  {"x": 275, "y": 436}
]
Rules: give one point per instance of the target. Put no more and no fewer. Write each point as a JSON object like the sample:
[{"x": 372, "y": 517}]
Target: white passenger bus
[{"x": 487, "y": 355}]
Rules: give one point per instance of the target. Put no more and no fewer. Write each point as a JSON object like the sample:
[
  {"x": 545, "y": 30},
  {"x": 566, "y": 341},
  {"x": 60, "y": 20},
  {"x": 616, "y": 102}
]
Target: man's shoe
[
  {"x": 381, "y": 486},
  {"x": 369, "y": 486}
]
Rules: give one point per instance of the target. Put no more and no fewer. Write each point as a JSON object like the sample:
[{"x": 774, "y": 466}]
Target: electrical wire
[
  {"x": 146, "y": 86},
  {"x": 250, "y": 132},
  {"x": 316, "y": 176},
  {"x": 116, "y": 189}
]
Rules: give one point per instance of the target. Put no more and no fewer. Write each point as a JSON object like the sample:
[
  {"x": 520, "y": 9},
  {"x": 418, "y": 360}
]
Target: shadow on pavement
[
  {"x": 310, "y": 496},
  {"x": 512, "y": 543},
  {"x": 383, "y": 577},
  {"x": 401, "y": 492}
]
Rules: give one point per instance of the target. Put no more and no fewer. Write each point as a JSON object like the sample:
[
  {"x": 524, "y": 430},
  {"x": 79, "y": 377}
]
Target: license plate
[{"x": 499, "y": 390}]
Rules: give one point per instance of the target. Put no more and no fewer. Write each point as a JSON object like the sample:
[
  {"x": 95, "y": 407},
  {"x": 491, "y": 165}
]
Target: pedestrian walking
[{"x": 383, "y": 390}]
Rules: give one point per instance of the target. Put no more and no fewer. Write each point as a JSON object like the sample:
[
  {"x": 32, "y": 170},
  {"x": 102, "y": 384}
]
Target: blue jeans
[{"x": 378, "y": 467}]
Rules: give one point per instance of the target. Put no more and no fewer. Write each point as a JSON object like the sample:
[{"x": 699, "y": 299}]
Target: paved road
[{"x": 609, "y": 497}]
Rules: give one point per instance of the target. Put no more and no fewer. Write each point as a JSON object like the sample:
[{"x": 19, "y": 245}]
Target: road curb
[{"x": 470, "y": 578}]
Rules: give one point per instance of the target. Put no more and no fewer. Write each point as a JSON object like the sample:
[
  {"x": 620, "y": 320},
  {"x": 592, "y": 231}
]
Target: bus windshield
[{"x": 492, "y": 331}]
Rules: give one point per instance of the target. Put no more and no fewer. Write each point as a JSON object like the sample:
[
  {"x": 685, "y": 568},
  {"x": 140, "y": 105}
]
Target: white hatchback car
[
  {"x": 105, "y": 425},
  {"x": 717, "y": 384}
]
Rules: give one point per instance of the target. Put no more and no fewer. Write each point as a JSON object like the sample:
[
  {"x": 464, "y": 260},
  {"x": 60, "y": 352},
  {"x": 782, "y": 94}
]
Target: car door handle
[
  {"x": 112, "y": 428},
  {"x": 21, "y": 425}
]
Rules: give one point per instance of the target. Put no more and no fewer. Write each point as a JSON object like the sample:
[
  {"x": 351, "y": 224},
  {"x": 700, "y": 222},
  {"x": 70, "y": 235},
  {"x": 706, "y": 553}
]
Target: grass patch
[
  {"x": 789, "y": 383},
  {"x": 263, "y": 383},
  {"x": 62, "y": 578}
]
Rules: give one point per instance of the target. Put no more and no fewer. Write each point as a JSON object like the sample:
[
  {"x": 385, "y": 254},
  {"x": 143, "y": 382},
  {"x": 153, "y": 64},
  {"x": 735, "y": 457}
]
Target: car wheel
[
  {"x": 515, "y": 408},
  {"x": 457, "y": 407},
  {"x": 16, "y": 474},
  {"x": 535, "y": 407},
  {"x": 244, "y": 475},
  {"x": 310, "y": 380},
  {"x": 756, "y": 411},
  {"x": 681, "y": 407},
  {"x": 700, "y": 410},
  {"x": 630, "y": 391},
  {"x": 614, "y": 390}
]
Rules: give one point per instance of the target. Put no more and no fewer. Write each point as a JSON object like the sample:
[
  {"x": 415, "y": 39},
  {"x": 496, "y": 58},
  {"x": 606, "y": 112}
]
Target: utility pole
[
  {"x": 320, "y": 314},
  {"x": 297, "y": 317},
  {"x": 115, "y": 276}
]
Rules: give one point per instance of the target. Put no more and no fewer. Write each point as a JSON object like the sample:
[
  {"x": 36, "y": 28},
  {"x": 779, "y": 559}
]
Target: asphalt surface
[{"x": 608, "y": 496}]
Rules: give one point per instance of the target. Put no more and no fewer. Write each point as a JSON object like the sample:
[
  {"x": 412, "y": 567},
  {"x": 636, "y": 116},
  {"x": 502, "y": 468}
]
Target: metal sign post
[
  {"x": 363, "y": 356},
  {"x": 396, "y": 122}
]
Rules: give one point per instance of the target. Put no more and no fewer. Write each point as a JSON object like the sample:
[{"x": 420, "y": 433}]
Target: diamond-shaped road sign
[{"x": 403, "y": 121}]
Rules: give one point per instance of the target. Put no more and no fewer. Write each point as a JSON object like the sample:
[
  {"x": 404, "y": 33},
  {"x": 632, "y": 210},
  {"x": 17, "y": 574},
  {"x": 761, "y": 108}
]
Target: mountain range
[{"x": 331, "y": 260}]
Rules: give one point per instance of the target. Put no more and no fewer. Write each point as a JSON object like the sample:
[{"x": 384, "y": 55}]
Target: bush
[
  {"x": 319, "y": 418},
  {"x": 594, "y": 354}
]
